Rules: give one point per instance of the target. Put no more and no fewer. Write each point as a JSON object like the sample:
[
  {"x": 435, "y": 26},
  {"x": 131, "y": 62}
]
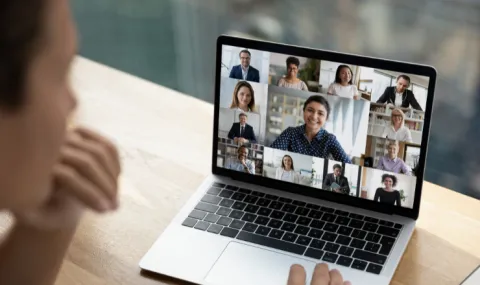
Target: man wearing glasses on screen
[{"x": 244, "y": 71}]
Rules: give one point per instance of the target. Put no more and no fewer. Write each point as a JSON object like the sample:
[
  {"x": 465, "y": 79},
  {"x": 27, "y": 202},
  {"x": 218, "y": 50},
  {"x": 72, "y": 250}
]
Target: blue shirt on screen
[{"x": 323, "y": 145}]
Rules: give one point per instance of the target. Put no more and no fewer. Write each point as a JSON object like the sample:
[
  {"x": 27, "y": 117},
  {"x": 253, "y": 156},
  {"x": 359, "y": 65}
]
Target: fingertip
[{"x": 347, "y": 283}]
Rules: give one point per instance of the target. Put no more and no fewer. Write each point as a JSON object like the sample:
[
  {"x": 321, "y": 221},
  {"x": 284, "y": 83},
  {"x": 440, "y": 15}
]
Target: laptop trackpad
[{"x": 242, "y": 264}]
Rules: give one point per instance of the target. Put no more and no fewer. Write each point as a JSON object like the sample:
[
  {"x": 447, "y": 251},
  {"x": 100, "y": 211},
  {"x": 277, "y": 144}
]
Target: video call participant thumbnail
[
  {"x": 391, "y": 162},
  {"x": 287, "y": 171},
  {"x": 310, "y": 138},
  {"x": 397, "y": 130},
  {"x": 241, "y": 163},
  {"x": 291, "y": 80},
  {"x": 243, "y": 97},
  {"x": 388, "y": 195},
  {"x": 399, "y": 95},
  {"x": 343, "y": 85},
  {"x": 242, "y": 132},
  {"x": 336, "y": 182},
  {"x": 244, "y": 71}
]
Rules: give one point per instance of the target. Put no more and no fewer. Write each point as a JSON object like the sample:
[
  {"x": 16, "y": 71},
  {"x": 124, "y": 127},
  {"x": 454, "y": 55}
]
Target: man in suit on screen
[
  {"x": 336, "y": 182},
  {"x": 244, "y": 71},
  {"x": 242, "y": 132}
]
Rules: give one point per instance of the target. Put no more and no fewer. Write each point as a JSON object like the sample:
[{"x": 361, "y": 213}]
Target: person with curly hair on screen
[
  {"x": 291, "y": 80},
  {"x": 387, "y": 194}
]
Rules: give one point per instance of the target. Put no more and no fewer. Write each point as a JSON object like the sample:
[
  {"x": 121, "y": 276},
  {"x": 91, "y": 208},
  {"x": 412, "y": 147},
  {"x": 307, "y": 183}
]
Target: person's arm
[
  {"x": 399, "y": 200},
  {"x": 380, "y": 164},
  {"x": 327, "y": 183},
  {"x": 345, "y": 186},
  {"x": 331, "y": 90},
  {"x": 283, "y": 140},
  {"x": 231, "y": 133},
  {"x": 253, "y": 139},
  {"x": 384, "y": 98},
  {"x": 385, "y": 132},
  {"x": 337, "y": 152},
  {"x": 296, "y": 178},
  {"x": 304, "y": 86},
  {"x": 251, "y": 167},
  {"x": 408, "y": 135},
  {"x": 413, "y": 102},
  {"x": 377, "y": 195},
  {"x": 406, "y": 169},
  {"x": 232, "y": 72},
  {"x": 257, "y": 76}
]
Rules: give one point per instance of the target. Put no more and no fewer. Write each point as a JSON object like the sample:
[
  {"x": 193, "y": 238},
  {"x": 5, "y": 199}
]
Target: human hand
[
  {"x": 321, "y": 276},
  {"x": 235, "y": 140},
  {"x": 85, "y": 177}
]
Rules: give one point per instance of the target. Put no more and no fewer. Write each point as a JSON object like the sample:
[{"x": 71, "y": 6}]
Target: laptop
[{"x": 279, "y": 144}]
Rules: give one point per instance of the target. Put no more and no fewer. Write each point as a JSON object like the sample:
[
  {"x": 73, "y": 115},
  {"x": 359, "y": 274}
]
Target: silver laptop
[{"x": 318, "y": 156}]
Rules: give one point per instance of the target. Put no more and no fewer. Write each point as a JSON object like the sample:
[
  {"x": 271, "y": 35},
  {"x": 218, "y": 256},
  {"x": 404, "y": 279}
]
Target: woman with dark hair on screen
[
  {"x": 243, "y": 98},
  {"x": 388, "y": 195},
  {"x": 290, "y": 80},
  {"x": 311, "y": 138},
  {"x": 287, "y": 171},
  {"x": 343, "y": 85}
]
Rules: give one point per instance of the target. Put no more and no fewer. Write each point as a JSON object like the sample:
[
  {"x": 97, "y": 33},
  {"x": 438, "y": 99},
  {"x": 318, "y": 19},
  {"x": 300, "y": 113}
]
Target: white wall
[{"x": 259, "y": 60}]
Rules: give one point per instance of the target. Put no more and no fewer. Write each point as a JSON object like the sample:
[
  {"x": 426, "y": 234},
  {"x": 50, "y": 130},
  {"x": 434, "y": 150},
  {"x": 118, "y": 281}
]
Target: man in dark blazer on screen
[
  {"x": 242, "y": 132},
  {"x": 244, "y": 71},
  {"x": 337, "y": 178},
  {"x": 399, "y": 95}
]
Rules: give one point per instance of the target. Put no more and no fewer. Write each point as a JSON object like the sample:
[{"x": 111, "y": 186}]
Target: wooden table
[{"x": 164, "y": 139}]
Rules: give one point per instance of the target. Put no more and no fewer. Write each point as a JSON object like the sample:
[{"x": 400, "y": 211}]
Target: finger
[
  {"x": 321, "y": 275},
  {"x": 80, "y": 188},
  {"x": 297, "y": 275},
  {"x": 347, "y": 283},
  {"x": 335, "y": 277}
]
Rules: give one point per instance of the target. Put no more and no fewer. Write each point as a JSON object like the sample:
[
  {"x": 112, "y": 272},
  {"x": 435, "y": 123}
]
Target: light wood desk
[{"x": 165, "y": 143}]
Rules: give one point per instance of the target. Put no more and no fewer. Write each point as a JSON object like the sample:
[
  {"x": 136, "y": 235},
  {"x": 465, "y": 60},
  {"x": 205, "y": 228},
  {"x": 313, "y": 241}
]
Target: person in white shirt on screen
[
  {"x": 287, "y": 172},
  {"x": 241, "y": 163},
  {"x": 397, "y": 130},
  {"x": 400, "y": 96},
  {"x": 243, "y": 98},
  {"x": 343, "y": 85}
]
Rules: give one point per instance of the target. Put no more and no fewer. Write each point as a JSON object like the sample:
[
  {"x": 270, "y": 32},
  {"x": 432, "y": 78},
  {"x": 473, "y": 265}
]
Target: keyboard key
[
  {"x": 385, "y": 223},
  {"x": 236, "y": 214},
  {"x": 216, "y": 229},
  {"x": 258, "y": 194},
  {"x": 328, "y": 217},
  {"x": 262, "y": 220},
  {"x": 289, "y": 237},
  {"x": 219, "y": 185},
  {"x": 341, "y": 213},
  {"x": 315, "y": 214},
  {"x": 275, "y": 205},
  {"x": 276, "y": 234},
  {"x": 262, "y": 231},
  {"x": 206, "y": 207},
  {"x": 289, "y": 208},
  {"x": 391, "y": 232},
  {"x": 226, "y": 194},
  {"x": 249, "y": 217},
  {"x": 211, "y": 199},
  {"x": 369, "y": 227},
  {"x": 357, "y": 224},
  {"x": 359, "y": 234},
  {"x": 251, "y": 208},
  {"x": 272, "y": 243},
  {"x": 301, "y": 211},
  {"x": 317, "y": 224},
  {"x": 285, "y": 200},
  {"x": 212, "y": 218},
  {"x": 329, "y": 236},
  {"x": 330, "y": 228},
  {"x": 231, "y": 187},
  {"x": 244, "y": 191},
  {"x": 214, "y": 191},
  {"x": 196, "y": 214},
  {"x": 372, "y": 247},
  {"x": 227, "y": 203},
  {"x": 289, "y": 227},
  {"x": 327, "y": 210},
  {"x": 275, "y": 223},
  {"x": 343, "y": 240},
  {"x": 238, "y": 196},
  {"x": 189, "y": 222},
  {"x": 304, "y": 221},
  {"x": 239, "y": 206},
  {"x": 290, "y": 218},
  {"x": 356, "y": 243},
  {"x": 224, "y": 221},
  {"x": 299, "y": 203},
  {"x": 224, "y": 211},
  {"x": 314, "y": 233},
  {"x": 236, "y": 224},
  {"x": 345, "y": 231},
  {"x": 370, "y": 257},
  {"x": 201, "y": 225},
  {"x": 229, "y": 232},
  {"x": 250, "y": 199},
  {"x": 313, "y": 207},
  {"x": 345, "y": 261},
  {"x": 277, "y": 215},
  {"x": 264, "y": 212},
  {"x": 271, "y": 197},
  {"x": 263, "y": 202},
  {"x": 314, "y": 253},
  {"x": 301, "y": 230},
  {"x": 318, "y": 244},
  {"x": 398, "y": 226},
  {"x": 374, "y": 268},
  {"x": 330, "y": 257},
  {"x": 356, "y": 216},
  {"x": 331, "y": 247},
  {"x": 373, "y": 237},
  {"x": 345, "y": 250},
  {"x": 358, "y": 264},
  {"x": 387, "y": 245},
  {"x": 371, "y": 220},
  {"x": 249, "y": 227},
  {"x": 342, "y": 220},
  {"x": 303, "y": 240}
]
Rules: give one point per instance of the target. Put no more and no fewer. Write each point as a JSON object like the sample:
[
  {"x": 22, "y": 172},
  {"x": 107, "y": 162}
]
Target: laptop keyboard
[{"x": 322, "y": 233}]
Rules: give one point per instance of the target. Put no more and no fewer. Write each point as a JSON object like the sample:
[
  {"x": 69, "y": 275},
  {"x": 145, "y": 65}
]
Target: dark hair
[
  {"x": 337, "y": 166},
  {"x": 293, "y": 60},
  {"x": 20, "y": 29},
  {"x": 283, "y": 165},
  {"x": 318, "y": 99},
  {"x": 406, "y": 77},
  {"x": 242, "y": 114},
  {"x": 393, "y": 177},
  {"x": 239, "y": 85},
  {"x": 244, "y": 51},
  {"x": 337, "y": 74}
]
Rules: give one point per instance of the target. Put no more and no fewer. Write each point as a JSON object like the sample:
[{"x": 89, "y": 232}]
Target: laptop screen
[{"x": 331, "y": 126}]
